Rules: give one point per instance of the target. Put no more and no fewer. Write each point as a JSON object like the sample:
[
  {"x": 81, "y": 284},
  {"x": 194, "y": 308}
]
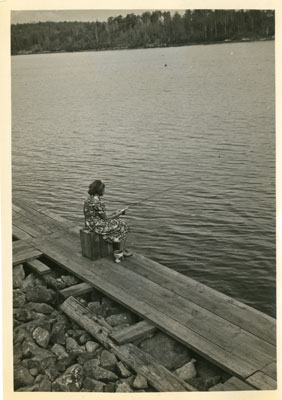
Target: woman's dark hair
[{"x": 96, "y": 187}]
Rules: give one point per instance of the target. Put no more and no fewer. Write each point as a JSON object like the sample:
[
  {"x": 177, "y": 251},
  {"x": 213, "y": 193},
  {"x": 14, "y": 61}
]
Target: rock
[
  {"x": 166, "y": 350},
  {"x": 40, "y": 308},
  {"x": 69, "y": 280},
  {"x": 20, "y": 334},
  {"x": 17, "y": 349},
  {"x": 82, "y": 301},
  {"x": 140, "y": 382},
  {"x": 40, "y": 294},
  {"x": 108, "y": 360},
  {"x": 58, "y": 330},
  {"x": 92, "y": 370},
  {"x": 52, "y": 372},
  {"x": 206, "y": 369},
  {"x": 82, "y": 358},
  {"x": 41, "y": 337},
  {"x": 24, "y": 315},
  {"x": 38, "y": 379},
  {"x": 95, "y": 307},
  {"x": 34, "y": 372},
  {"x": 22, "y": 377},
  {"x": 33, "y": 388},
  {"x": 18, "y": 299},
  {"x": 71, "y": 344},
  {"x": 187, "y": 371},
  {"x": 110, "y": 387},
  {"x": 110, "y": 307},
  {"x": 29, "y": 347},
  {"x": 44, "y": 358},
  {"x": 84, "y": 338},
  {"x": 123, "y": 370},
  {"x": 45, "y": 384},
  {"x": 91, "y": 385},
  {"x": 28, "y": 282},
  {"x": 76, "y": 333},
  {"x": 204, "y": 384},
  {"x": 59, "y": 351},
  {"x": 122, "y": 318},
  {"x": 91, "y": 346},
  {"x": 65, "y": 362},
  {"x": 123, "y": 387},
  {"x": 70, "y": 381},
  {"x": 77, "y": 351},
  {"x": 18, "y": 276}
]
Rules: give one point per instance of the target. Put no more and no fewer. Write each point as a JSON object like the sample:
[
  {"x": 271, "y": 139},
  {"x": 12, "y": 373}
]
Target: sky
[{"x": 18, "y": 17}]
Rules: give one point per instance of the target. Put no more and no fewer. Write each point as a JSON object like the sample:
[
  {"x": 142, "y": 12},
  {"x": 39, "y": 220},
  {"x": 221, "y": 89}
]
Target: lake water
[{"x": 205, "y": 121}]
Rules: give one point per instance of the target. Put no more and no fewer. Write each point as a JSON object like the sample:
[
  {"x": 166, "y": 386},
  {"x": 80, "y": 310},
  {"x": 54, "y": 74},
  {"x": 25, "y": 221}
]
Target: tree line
[{"x": 150, "y": 29}]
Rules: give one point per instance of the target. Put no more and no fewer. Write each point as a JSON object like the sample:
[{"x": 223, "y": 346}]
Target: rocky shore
[{"x": 52, "y": 353}]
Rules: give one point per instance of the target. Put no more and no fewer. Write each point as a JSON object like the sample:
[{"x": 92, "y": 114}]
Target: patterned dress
[{"x": 113, "y": 229}]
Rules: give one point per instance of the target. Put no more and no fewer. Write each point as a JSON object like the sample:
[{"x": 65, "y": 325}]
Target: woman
[{"x": 112, "y": 228}]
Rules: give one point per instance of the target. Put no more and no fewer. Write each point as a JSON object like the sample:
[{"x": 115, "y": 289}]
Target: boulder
[
  {"x": 71, "y": 344},
  {"x": 167, "y": 351},
  {"x": 59, "y": 351},
  {"x": 125, "y": 317},
  {"x": 18, "y": 299},
  {"x": 95, "y": 307},
  {"x": 52, "y": 372},
  {"x": 40, "y": 308},
  {"x": 18, "y": 276},
  {"x": 92, "y": 370},
  {"x": 124, "y": 373},
  {"x": 187, "y": 371},
  {"x": 91, "y": 346},
  {"x": 22, "y": 377},
  {"x": 92, "y": 385},
  {"x": 41, "y": 294},
  {"x": 41, "y": 337},
  {"x": 70, "y": 381},
  {"x": 204, "y": 384},
  {"x": 84, "y": 338},
  {"x": 140, "y": 382},
  {"x": 82, "y": 358},
  {"x": 28, "y": 282},
  {"x": 108, "y": 360},
  {"x": 123, "y": 387},
  {"x": 69, "y": 280},
  {"x": 45, "y": 384}
]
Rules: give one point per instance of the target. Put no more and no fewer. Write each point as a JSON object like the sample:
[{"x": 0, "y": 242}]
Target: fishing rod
[{"x": 137, "y": 203}]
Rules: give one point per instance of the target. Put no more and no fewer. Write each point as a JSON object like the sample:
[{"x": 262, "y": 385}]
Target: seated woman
[{"x": 112, "y": 228}]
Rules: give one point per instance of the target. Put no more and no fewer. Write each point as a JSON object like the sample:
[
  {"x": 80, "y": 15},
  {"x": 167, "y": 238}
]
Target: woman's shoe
[
  {"x": 127, "y": 253},
  {"x": 118, "y": 256}
]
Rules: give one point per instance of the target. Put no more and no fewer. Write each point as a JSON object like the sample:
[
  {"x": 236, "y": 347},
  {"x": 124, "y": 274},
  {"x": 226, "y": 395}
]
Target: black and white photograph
[{"x": 143, "y": 199}]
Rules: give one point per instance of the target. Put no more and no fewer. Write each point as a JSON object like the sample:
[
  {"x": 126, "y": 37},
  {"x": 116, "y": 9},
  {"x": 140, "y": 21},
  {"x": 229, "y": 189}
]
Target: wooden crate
[{"x": 93, "y": 246}]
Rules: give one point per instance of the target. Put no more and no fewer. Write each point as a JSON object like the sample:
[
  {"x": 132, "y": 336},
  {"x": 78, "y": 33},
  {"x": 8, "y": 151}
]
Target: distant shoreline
[{"x": 151, "y": 46}]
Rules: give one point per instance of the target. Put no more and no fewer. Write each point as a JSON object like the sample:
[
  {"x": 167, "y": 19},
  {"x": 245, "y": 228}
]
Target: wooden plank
[
  {"x": 26, "y": 226},
  {"x": 37, "y": 222},
  {"x": 246, "y": 317},
  {"x": 23, "y": 252},
  {"x": 159, "y": 377},
  {"x": 262, "y": 381},
  {"x": 232, "y": 384},
  {"x": 133, "y": 332},
  {"x": 76, "y": 290},
  {"x": 83, "y": 268},
  {"x": 19, "y": 233},
  {"x": 271, "y": 370},
  {"x": 38, "y": 267}
]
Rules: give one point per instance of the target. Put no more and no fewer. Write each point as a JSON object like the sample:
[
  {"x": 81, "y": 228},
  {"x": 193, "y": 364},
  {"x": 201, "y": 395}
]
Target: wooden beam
[
  {"x": 271, "y": 370},
  {"x": 158, "y": 376},
  {"x": 262, "y": 381},
  {"x": 76, "y": 290},
  {"x": 18, "y": 233},
  {"x": 38, "y": 267},
  {"x": 23, "y": 252},
  {"x": 133, "y": 332}
]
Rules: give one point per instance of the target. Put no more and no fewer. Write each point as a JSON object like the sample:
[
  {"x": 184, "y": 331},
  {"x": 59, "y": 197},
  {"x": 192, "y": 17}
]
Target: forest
[{"x": 150, "y": 29}]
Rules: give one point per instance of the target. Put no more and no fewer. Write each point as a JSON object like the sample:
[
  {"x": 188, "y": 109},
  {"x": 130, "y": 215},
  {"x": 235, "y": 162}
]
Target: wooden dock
[{"x": 230, "y": 334}]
